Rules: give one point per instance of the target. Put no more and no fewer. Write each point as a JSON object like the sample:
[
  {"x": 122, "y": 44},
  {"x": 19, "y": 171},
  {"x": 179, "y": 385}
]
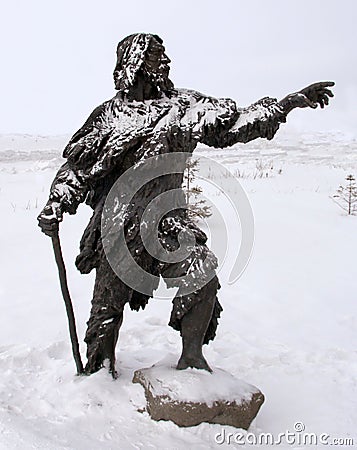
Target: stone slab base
[{"x": 190, "y": 397}]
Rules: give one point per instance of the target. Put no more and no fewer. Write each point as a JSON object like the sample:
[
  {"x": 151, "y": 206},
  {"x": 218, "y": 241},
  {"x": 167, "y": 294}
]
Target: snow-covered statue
[{"x": 148, "y": 116}]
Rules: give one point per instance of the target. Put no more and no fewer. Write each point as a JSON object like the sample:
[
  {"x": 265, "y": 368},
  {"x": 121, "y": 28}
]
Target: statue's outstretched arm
[
  {"x": 263, "y": 118},
  {"x": 259, "y": 120},
  {"x": 67, "y": 191}
]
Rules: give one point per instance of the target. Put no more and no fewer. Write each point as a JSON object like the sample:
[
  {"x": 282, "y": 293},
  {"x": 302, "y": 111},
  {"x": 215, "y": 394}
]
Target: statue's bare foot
[{"x": 196, "y": 363}]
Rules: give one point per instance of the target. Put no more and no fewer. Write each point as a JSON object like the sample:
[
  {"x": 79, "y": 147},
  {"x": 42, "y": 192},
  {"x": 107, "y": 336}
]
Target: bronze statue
[{"x": 148, "y": 116}]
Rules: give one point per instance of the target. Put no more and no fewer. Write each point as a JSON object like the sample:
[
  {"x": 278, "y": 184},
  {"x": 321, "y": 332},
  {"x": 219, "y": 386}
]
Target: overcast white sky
[{"x": 57, "y": 57}]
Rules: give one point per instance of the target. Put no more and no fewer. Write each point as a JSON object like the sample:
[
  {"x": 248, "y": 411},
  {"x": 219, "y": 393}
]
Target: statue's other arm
[
  {"x": 71, "y": 183},
  {"x": 67, "y": 191},
  {"x": 262, "y": 119}
]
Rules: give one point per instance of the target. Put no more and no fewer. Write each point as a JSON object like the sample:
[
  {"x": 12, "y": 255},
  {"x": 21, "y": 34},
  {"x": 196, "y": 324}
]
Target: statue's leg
[
  {"x": 109, "y": 298},
  {"x": 195, "y": 311},
  {"x": 195, "y": 314},
  {"x": 195, "y": 324}
]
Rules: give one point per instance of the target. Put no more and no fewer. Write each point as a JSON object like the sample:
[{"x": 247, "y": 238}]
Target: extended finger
[
  {"x": 322, "y": 85},
  {"x": 327, "y": 83},
  {"x": 328, "y": 92}
]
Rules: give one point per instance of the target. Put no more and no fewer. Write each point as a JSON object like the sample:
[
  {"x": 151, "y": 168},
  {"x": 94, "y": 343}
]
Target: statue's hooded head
[{"x": 142, "y": 57}]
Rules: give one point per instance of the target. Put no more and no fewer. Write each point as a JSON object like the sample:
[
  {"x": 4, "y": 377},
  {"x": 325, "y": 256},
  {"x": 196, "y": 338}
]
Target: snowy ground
[{"x": 288, "y": 326}]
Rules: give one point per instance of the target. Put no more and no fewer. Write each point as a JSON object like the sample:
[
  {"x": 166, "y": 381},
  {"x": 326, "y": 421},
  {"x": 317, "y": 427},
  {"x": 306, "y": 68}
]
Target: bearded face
[
  {"x": 141, "y": 58},
  {"x": 156, "y": 65}
]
